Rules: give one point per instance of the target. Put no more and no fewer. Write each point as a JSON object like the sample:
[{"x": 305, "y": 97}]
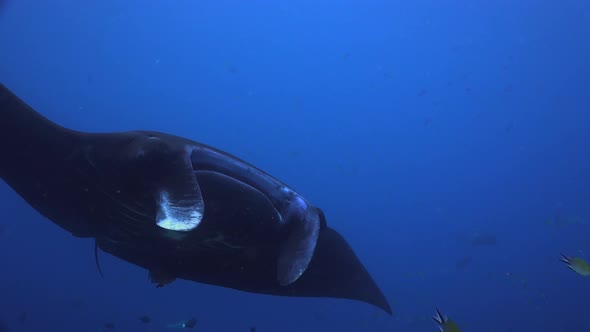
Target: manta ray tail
[{"x": 96, "y": 259}]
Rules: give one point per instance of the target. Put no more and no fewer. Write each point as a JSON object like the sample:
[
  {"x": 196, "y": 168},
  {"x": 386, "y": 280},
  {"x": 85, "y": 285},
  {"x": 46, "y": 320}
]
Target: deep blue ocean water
[{"x": 417, "y": 126}]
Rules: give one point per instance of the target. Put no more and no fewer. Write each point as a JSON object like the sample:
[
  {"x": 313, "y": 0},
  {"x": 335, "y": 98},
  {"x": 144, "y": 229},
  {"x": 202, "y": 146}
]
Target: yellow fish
[
  {"x": 577, "y": 264},
  {"x": 444, "y": 323}
]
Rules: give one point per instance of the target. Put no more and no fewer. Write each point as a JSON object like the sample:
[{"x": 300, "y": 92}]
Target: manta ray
[{"x": 178, "y": 208}]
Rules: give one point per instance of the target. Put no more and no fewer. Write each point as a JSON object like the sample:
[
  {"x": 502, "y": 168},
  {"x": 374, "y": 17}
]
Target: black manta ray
[{"x": 178, "y": 208}]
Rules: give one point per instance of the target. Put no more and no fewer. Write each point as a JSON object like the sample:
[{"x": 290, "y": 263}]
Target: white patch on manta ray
[{"x": 177, "y": 218}]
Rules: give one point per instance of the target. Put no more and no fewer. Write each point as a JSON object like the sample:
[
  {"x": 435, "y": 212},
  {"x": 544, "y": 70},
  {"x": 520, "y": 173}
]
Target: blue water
[{"x": 415, "y": 126}]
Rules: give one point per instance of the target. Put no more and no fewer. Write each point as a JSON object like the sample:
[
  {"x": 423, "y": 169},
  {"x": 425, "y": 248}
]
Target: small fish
[
  {"x": 232, "y": 69},
  {"x": 444, "y": 323},
  {"x": 145, "y": 319},
  {"x": 577, "y": 264},
  {"x": 189, "y": 324},
  {"x": 109, "y": 326},
  {"x": 463, "y": 262},
  {"x": 23, "y": 317},
  {"x": 483, "y": 240},
  {"x": 508, "y": 128},
  {"x": 77, "y": 304}
]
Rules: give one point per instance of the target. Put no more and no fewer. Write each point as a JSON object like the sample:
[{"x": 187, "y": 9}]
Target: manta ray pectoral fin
[
  {"x": 180, "y": 202},
  {"x": 298, "y": 250}
]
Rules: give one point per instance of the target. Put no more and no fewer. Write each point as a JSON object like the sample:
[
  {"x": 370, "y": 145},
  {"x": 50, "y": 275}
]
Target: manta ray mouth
[
  {"x": 180, "y": 205},
  {"x": 174, "y": 216}
]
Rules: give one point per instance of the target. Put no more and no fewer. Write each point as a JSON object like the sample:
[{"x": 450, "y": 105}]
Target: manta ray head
[{"x": 153, "y": 177}]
